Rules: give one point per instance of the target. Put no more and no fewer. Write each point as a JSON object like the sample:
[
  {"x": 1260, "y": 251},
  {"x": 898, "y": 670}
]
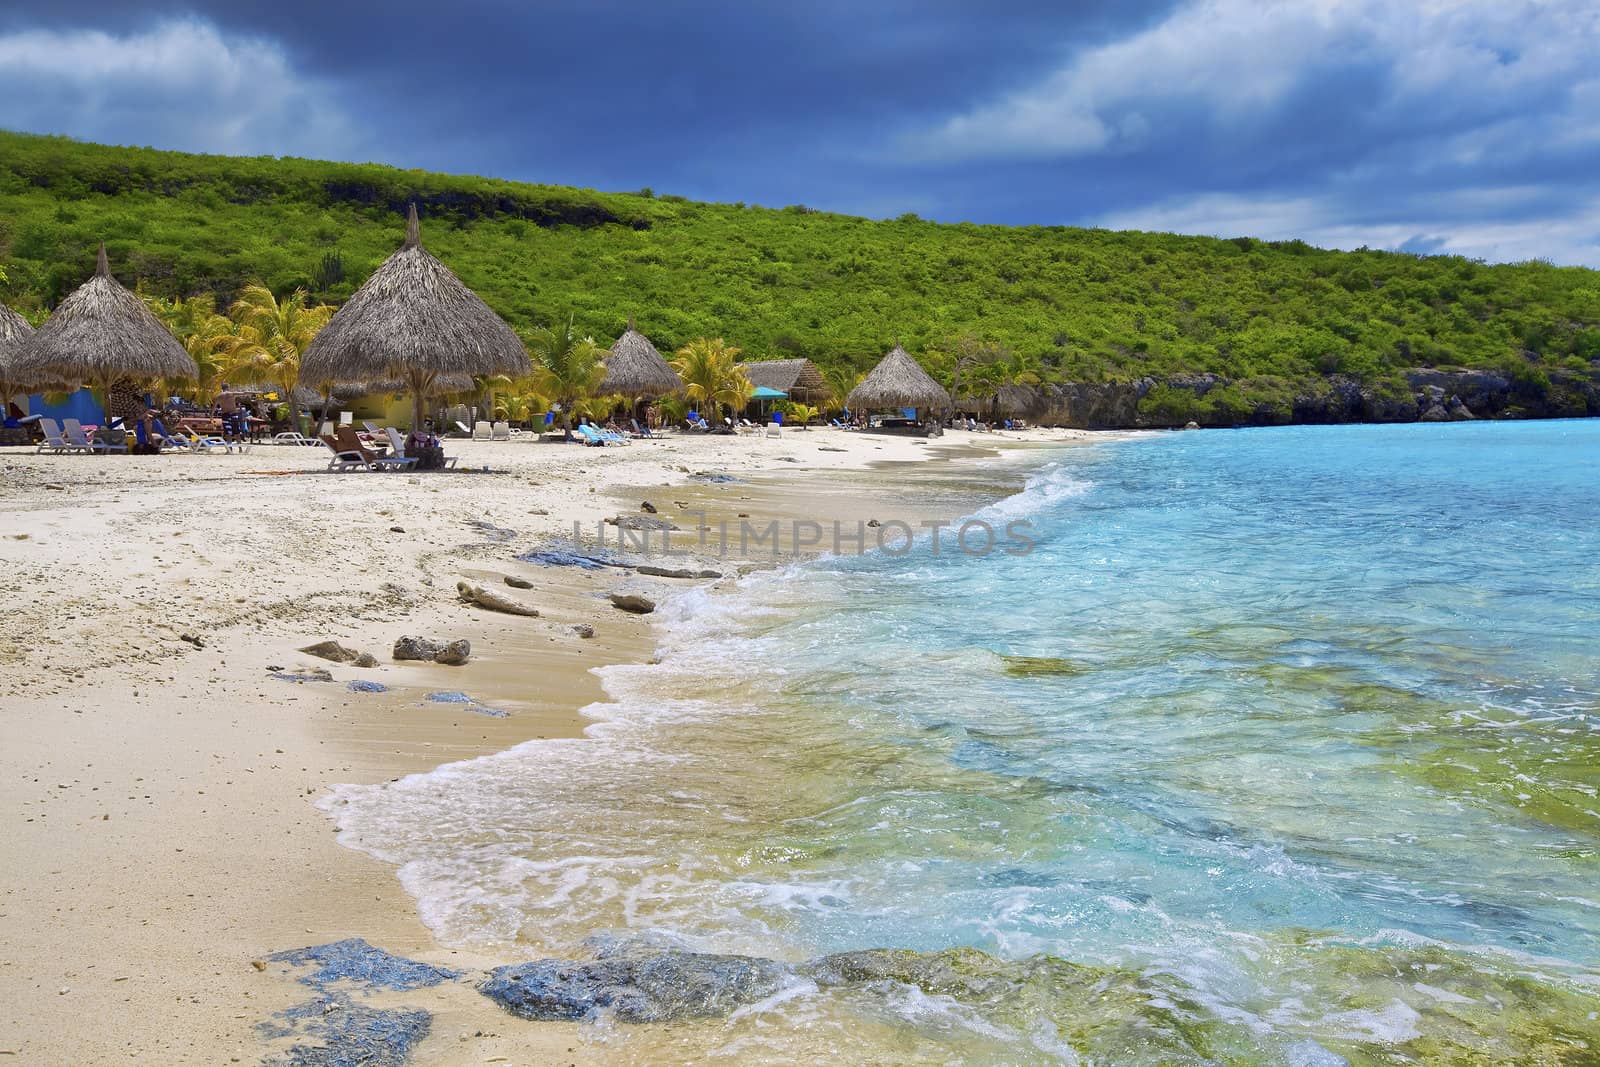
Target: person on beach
[{"x": 148, "y": 434}]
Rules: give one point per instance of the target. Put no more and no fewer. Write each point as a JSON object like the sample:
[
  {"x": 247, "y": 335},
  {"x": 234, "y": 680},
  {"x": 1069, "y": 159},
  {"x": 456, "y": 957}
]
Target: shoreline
[{"x": 166, "y": 833}]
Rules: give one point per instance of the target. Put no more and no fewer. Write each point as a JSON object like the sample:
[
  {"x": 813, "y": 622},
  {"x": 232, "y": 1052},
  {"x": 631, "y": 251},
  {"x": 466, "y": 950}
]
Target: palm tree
[
  {"x": 711, "y": 376},
  {"x": 566, "y": 368},
  {"x": 841, "y": 380},
  {"x": 208, "y": 337},
  {"x": 272, "y": 336}
]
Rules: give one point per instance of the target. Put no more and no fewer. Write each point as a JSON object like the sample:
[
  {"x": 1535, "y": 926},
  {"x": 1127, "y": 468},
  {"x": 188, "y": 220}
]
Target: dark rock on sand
[
  {"x": 492, "y": 601},
  {"x": 675, "y": 572},
  {"x": 583, "y": 630},
  {"x": 416, "y": 648},
  {"x": 364, "y": 659},
  {"x": 518, "y": 583},
  {"x": 640, "y": 522},
  {"x": 303, "y": 675},
  {"x": 639, "y": 989},
  {"x": 647, "y": 506},
  {"x": 331, "y": 650},
  {"x": 354, "y": 960},
  {"x": 332, "y": 1030},
  {"x": 633, "y": 602},
  {"x": 455, "y": 653}
]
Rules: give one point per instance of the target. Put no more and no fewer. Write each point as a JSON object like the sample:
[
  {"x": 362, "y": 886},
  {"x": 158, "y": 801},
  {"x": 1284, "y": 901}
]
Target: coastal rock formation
[
  {"x": 675, "y": 572},
  {"x": 418, "y": 648},
  {"x": 453, "y": 654},
  {"x": 332, "y": 651},
  {"x": 492, "y": 601},
  {"x": 640, "y": 522},
  {"x": 633, "y": 602},
  {"x": 662, "y": 987}
]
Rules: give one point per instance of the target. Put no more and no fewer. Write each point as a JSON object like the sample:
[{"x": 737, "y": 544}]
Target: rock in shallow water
[
  {"x": 455, "y": 653},
  {"x": 639, "y": 989},
  {"x": 415, "y": 648}
]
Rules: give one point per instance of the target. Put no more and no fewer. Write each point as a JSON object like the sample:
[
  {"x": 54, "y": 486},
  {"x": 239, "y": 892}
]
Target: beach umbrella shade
[
  {"x": 14, "y": 333},
  {"x": 898, "y": 381},
  {"x": 413, "y": 321},
  {"x": 761, "y": 392},
  {"x": 99, "y": 335},
  {"x": 798, "y": 379},
  {"x": 635, "y": 368}
]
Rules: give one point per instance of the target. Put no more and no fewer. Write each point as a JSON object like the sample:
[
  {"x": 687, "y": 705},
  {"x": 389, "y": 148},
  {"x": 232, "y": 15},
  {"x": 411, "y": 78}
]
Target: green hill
[{"x": 1222, "y": 330}]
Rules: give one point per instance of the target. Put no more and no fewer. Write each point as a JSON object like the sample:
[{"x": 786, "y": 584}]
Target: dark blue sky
[{"x": 1468, "y": 126}]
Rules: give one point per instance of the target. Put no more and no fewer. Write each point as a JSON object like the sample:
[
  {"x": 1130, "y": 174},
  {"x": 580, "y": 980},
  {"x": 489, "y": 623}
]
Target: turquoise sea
[{"x": 1280, "y": 746}]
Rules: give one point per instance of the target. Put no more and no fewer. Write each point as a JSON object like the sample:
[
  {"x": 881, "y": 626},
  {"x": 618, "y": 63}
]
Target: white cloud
[
  {"x": 181, "y": 84},
  {"x": 1234, "y": 62},
  {"x": 1565, "y": 237}
]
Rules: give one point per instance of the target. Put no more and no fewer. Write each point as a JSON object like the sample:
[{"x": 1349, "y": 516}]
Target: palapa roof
[
  {"x": 101, "y": 332},
  {"x": 413, "y": 320},
  {"x": 14, "y": 332},
  {"x": 799, "y": 378},
  {"x": 898, "y": 381},
  {"x": 636, "y": 368}
]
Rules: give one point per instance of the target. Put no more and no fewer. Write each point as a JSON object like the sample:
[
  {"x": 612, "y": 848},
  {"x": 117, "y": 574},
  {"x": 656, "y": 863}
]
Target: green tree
[
  {"x": 567, "y": 368},
  {"x": 711, "y": 376},
  {"x": 272, "y": 337},
  {"x": 207, "y": 335}
]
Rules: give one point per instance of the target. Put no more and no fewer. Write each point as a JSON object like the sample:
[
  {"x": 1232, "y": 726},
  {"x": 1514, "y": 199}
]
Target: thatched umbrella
[
  {"x": 798, "y": 379},
  {"x": 898, "y": 382},
  {"x": 636, "y": 369},
  {"x": 413, "y": 320},
  {"x": 99, "y": 335},
  {"x": 14, "y": 333}
]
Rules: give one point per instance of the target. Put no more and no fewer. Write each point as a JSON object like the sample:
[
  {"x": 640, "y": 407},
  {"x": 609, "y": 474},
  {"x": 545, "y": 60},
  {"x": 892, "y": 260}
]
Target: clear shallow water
[{"x": 1286, "y": 741}]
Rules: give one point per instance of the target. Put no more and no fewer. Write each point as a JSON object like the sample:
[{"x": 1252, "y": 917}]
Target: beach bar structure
[
  {"x": 100, "y": 335},
  {"x": 14, "y": 333},
  {"x": 900, "y": 384},
  {"x": 415, "y": 322},
  {"x": 797, "y": 379}
]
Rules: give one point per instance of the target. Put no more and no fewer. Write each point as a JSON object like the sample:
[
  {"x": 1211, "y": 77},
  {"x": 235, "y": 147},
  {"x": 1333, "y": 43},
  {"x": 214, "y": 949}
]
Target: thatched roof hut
[
  {"x": 898, "y": 382},
  {"x": 14, "y": 332},
  {"x": 101, "y": 334},
  {"x": 636, "y": 369},
  {"x": 799, "y": 379},
  {"x": 413, "y": 320}
]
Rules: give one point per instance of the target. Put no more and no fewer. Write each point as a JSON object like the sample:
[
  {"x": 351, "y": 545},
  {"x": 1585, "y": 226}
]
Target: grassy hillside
[{"x": 1091, "y": 305}]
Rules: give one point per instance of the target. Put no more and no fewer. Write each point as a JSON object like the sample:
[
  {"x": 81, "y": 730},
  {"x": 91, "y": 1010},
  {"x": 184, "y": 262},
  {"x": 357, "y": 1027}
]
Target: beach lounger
[
  {"x": 641, "y": 431},
  {"x": 482, "y": 431},
  {"x": 293, "y": 437},
  {"x": 78, "y": 437},
  {"x": 590, "y": 435},
  {"x": 774, "y": 430},
  {"x": 54, "y": 440},
  {"x": 344, "y": 459},
  {"x": 397, "y": 447},
  {"x": 499, "y": 431},
  {"x": 349, "y": 441},
  {"x": 465, "y": 432}
]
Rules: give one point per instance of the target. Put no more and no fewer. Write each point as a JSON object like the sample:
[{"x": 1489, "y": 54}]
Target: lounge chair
[
  {"x": 499, "y": 431},
  {"x": 641, "y": 431},
  {"x": 482, "y": 431},
  {"x": 55, "y": 441},
  {"x": 78, "y": 437},
  {"x": 461, "y": 426},
  {"x": 348, "y": 440},
  {"x": 345, "y": 459},
  {"x": 397, "y": 447},
  {"x": 774, "y": 429},
  {"x": 590, "y": 435},
  {"x": 293, "y": 437},
  {"x": 198, "y": 443}
]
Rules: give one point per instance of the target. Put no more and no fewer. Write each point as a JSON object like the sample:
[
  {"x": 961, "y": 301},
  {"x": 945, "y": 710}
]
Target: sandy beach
[{"x": 160, "y": 782}]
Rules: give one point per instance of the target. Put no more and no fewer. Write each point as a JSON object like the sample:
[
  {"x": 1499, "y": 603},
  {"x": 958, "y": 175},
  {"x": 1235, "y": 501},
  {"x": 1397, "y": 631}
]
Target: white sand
[{"x": 159, "y": 797}]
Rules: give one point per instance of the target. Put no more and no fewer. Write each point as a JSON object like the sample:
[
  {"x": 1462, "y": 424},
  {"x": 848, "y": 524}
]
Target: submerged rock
[
  {"x": 583, "y": 630},
  {"x": 493, "y": 601},
  {"x": 640, "y": 989},
  {"x": 1040, "y": 666}
]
